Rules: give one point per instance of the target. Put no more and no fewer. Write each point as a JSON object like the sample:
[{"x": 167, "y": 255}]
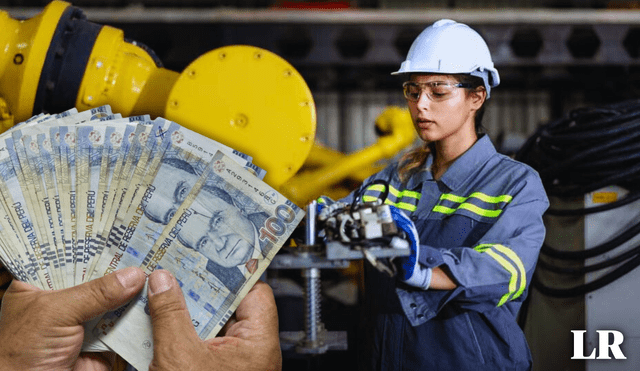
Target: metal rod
[
  {"x": 312, "y": 283},
  {"x": 312, "y": 308},
  {"x": 311, "y": 223}
]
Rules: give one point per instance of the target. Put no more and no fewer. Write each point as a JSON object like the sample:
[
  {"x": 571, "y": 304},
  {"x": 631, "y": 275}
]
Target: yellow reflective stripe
[
  {"x": 399, "y": 205},
  {"x": 483, "y": 247},
  {"x": 395, "y": 192},
  {"x": 491, "y": 199},
  {"x": 486, "y": 248},
  {"x": 516, "y": 259},
  {"x": 479, "y": 195},
  {"x": 404, "y": 205},
  {"x": 454, "y": 198},
  {"x": 470, "y": 207},
  {"x": 366, "y": 198},
  {"x": 376, "y": 187}
]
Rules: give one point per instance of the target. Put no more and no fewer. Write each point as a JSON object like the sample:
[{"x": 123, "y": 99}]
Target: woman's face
[{"x": 447, "y": 119}]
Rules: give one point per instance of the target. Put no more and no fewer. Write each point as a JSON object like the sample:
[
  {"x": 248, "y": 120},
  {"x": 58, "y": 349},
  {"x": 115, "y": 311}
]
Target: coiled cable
[{"x": 586, "y": 150}]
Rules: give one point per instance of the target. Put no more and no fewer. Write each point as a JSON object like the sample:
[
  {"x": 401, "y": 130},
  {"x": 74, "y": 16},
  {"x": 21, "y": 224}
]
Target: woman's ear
[{"x": 478, "y": 96}]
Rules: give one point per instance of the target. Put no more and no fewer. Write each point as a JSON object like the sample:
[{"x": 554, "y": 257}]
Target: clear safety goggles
[{"x": 437, "y": 91}]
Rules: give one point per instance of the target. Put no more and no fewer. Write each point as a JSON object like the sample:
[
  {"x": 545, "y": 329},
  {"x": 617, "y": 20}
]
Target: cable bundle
[{"x": 588, "y": 149}]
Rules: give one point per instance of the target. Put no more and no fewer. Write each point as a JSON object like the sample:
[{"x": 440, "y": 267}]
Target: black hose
[
  {"x": 630, "y": 197},
  {"x": 594, "y": 251},
  {"x": 589, "y": 268},
  {"x": 587, "y": 287},
  {"x": 586, "y": 150}
]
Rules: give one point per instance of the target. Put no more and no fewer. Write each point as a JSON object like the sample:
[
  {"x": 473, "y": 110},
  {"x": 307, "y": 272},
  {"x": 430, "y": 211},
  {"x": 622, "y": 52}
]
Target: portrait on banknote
[{"x": 222, "y": 226}]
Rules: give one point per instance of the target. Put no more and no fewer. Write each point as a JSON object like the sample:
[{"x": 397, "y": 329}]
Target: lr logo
[{"x": 603, "y": 345}]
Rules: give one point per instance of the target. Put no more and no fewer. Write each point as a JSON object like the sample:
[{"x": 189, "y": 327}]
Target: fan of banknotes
[{"x": 87, "y": 193}]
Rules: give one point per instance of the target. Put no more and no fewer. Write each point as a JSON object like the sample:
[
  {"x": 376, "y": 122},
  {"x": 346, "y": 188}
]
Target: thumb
[
  {"x": 169, "y": 313},
  {"x": 93, "y": 298}
]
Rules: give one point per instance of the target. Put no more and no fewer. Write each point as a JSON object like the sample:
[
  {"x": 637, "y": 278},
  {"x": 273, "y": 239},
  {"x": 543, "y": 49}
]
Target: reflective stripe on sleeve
[{"x": 514, "y": 289}]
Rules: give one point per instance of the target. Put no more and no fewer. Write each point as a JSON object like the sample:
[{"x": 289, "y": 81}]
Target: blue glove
[
  {"x": 412, "y": 272},
  {"x": 322, "y": 202}
]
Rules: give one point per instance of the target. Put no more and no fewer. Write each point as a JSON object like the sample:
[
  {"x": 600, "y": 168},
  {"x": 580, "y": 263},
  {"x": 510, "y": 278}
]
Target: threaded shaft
[{"x": 312, "y": 301}]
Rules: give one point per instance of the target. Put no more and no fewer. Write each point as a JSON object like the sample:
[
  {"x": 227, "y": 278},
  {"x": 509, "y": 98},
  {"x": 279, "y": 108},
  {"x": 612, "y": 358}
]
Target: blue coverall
[{"x": 482, "y": 223}]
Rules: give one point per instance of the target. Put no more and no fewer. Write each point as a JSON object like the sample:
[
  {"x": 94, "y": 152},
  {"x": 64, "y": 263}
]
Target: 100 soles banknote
[{"x": 86, "y": 193}]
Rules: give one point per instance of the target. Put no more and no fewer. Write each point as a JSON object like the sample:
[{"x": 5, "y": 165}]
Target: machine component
[
  {"x": 315, "y": 339},
  {"x": 325, "y": 169},
  {"x": 346, "y": 232},
  {"x": 245, "y": 97}
]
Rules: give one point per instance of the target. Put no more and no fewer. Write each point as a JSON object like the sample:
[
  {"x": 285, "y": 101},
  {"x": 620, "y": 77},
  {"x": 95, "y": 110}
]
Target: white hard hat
[{"x": 450, "y": 47}]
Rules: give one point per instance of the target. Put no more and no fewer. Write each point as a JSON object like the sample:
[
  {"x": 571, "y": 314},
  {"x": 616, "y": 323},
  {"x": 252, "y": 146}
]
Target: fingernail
[
  {"x": 128, "y": 277},
  {"x": 160, "y": 281}
]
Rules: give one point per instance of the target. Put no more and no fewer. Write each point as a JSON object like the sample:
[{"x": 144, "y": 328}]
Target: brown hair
[{"x": 415, "y": 159}]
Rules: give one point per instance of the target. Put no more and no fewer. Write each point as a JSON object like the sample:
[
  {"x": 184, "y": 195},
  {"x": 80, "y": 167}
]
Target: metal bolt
[
  {"x": 312, "y": 282},
  {"x": 312, "y": 301}
]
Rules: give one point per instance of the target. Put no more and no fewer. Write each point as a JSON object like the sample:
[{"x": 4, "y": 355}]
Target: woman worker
[{"x": 478, "y": 215}]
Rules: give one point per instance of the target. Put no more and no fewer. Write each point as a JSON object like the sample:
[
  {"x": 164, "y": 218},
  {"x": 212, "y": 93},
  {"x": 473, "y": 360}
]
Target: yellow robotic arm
[{"x": 245, "y": 97}]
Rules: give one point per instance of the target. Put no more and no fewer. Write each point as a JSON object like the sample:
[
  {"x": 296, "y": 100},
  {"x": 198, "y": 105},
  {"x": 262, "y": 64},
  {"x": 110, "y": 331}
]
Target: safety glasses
[{"x": 437, "y": 91}]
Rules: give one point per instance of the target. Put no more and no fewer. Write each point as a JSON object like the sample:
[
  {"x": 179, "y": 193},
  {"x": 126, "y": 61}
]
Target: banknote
[
  {"x": 8, "y": 168},
  {"x": 122, "y": 179},
  {"x": 151, "y": 148},
  {"x": 84, "y": 116},
  {"x": 30, "y": 186},
  {"x": 48, "y": 157},
  {"x": 13, "y": 256},
  {"x": 45, "y": 200},
  {"x": 67, "y": 189},
  {"x": 90, "y": 140},
  {"x": 16, "y": 205},
  {"x": 113, "y": 138},
  {"x": 85, "y": 193},
  {"x": 134, "y": 234},
  {"x": 217, "y": 244},
  {"x": 67, "y": 200}
]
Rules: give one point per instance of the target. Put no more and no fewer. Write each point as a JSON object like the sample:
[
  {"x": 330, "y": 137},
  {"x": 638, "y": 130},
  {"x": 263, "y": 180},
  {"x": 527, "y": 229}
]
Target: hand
[
  {"x": 250, "y": 338},
  {"x": 42, "y": 330},
  {"x": 411, "y": 272}
]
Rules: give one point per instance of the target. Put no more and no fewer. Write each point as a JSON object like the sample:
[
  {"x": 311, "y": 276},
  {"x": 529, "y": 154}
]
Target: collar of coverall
[{"x": 465, "y": 166}]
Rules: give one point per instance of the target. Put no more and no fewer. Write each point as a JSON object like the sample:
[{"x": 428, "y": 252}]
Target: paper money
[
  {"x": 44, "y": 202},
  {"x": 83, "y": 194},
  {"x": 66, "y": 200},
  {"x": 48, "y": 157},
  {"x": 129, "y": 244},
  {"x": 217, "y": 244},
  {"x": 38, "y": 267}
]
